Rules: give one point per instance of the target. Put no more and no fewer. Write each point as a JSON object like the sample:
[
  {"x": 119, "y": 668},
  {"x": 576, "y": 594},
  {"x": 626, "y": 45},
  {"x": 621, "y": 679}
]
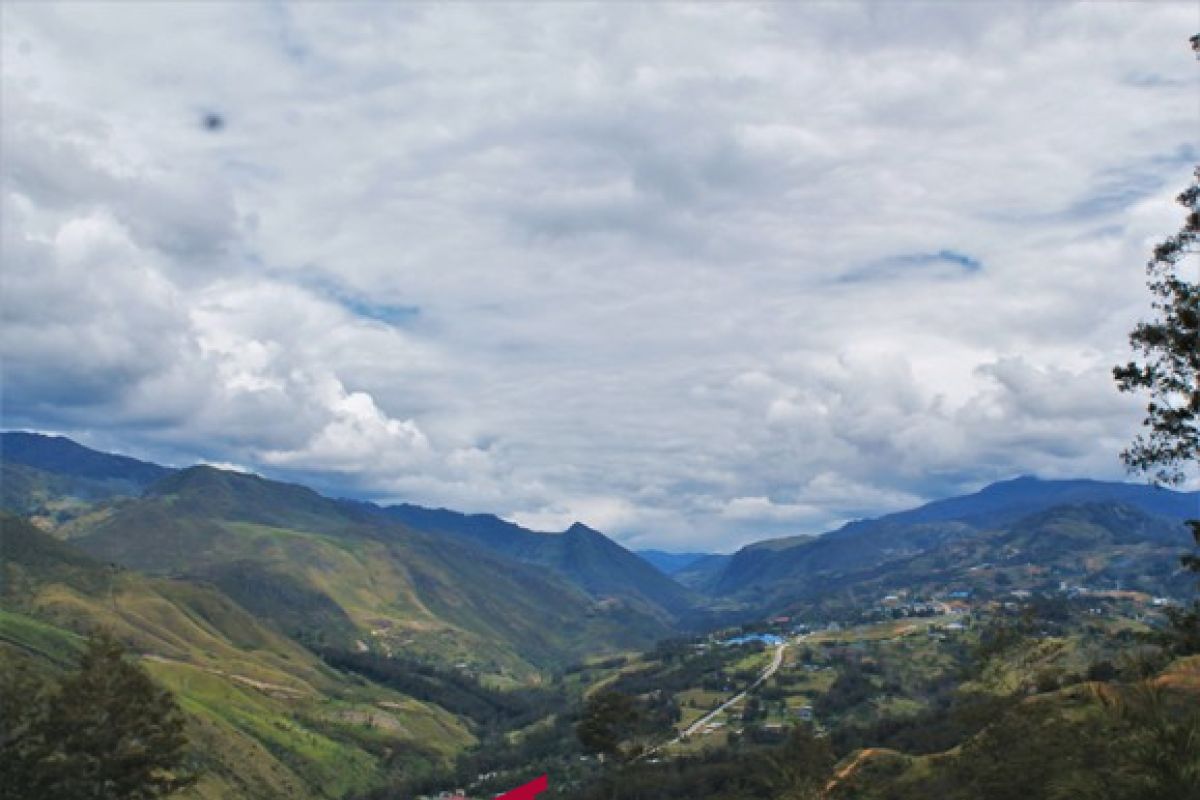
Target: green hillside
[
  {"x": 337, "y": 574},
  {"x": 583, "y": 556},
  {"x": 266, "y": 717},
  {"x": 1100, "y": 545}
]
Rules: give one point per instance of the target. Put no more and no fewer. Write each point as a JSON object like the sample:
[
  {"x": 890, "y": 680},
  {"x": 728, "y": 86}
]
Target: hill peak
[
  {"x": 222, "y": 493},
  {"x": 63, "y": 456}
]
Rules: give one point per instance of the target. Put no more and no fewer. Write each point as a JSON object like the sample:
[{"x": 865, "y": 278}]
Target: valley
[
  {"x": 332, "y": 648},
  {"x": 599, "y": 401}
]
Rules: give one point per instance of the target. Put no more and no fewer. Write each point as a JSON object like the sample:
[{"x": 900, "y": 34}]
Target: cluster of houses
[{"x": 769, "y": 639}]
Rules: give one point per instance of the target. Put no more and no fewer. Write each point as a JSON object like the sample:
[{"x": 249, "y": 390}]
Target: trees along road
[{"x": 772, "y": 668}]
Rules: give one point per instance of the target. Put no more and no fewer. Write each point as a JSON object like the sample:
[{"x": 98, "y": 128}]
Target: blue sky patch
[
  {"x": 383, "y": 312},
  {"x": 910, "y": 264}
]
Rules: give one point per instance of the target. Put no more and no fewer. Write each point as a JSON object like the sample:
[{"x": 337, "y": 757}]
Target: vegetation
[
  {"x": 609, "y": 720},
  {"x": 1169, "y": 347},
  {"x": 103, "y": 732},
  {"x": 1169, "y": 372},
  {"x": 333, "y": 574},
  {"x": 1091, "y": 534},
  {"x": 390, "y": 666},
  {"x": 492, "y": 710},
  {"x": 265, "y": 717},
  {"x": 796, "y": 770}
]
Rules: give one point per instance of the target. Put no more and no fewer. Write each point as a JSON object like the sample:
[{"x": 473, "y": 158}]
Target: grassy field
[
  {"x": 265, "y": 739},
  {"x": 267, "y": 717}
]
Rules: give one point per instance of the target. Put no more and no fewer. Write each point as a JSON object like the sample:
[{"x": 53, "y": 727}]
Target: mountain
[
  {"x": 266, "y": 717},
  {"x": 583, "y": 556},
  {"x": 669, "y": 563},
  {"x": 56, "y": 479},
  {"x": 342, "y": 574},
  {"x": 1008, "y": 500},
  {"x": 61, "y": 456},
  {"x": 702, "y": 571},
  {"x": 1076, "y": 531}
]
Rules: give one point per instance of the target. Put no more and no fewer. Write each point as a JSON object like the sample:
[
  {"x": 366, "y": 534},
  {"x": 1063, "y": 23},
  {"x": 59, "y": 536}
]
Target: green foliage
[
  {"x": 798, "y": 769},
  {"x": 1140, "y": 746},
  {"x": 1169, "y": 347},
  {"x": 105, "y": 732},
  {"x": 1164, "y": 742},
  {"x": 849, "y": 689},
  {"x": 1170, "y": 373},
  {"x": 609, "y": 719},
  {"x": 24, "y": 705},
  {"x": 458, "y": 693},
  {"x": 266, "y": 717},
  {"x": 802, "y": 767},
  {"x": 1183, "y": 635},
  {"x": 329, "y": 571}
]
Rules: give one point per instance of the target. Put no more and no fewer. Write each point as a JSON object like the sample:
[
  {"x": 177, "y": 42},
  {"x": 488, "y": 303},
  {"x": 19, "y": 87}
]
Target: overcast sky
[{"x": 692, "y": 274}]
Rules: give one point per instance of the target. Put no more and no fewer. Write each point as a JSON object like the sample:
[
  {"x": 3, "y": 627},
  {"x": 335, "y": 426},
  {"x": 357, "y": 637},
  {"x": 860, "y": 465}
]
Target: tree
[
  {"x": 1170, "y": 350},
  {"x": 803, "y": 766},
  {"x": 24, "y": 706},
  {"x": 1169, "y": 372},
  {"x": 609, "y": 718},
  {"x": 105, "y": 732},
  {"x": 1163, "y": 746}
]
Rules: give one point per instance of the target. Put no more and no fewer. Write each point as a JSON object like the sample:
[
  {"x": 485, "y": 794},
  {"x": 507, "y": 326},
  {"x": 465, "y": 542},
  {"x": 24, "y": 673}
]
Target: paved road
[{"x": 772, "y": 668}]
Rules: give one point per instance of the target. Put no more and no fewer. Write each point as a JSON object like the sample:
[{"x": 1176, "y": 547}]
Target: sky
[{"x": 692, "y": 274}]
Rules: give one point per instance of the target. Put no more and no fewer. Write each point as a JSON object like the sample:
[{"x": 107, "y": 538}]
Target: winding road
[{"x": 772, "y": 668}]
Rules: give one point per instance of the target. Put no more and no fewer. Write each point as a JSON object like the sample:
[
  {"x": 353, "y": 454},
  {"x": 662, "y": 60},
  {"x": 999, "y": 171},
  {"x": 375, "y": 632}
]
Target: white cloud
[
  {"x": 688, "y": 273},
  {"x": 763, "y": 508}
]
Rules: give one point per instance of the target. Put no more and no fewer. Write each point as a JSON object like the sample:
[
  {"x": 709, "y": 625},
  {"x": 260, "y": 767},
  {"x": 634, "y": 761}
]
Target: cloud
[
  {"x": 763, "y": 508},
  {"x": 691, "y": 274}
]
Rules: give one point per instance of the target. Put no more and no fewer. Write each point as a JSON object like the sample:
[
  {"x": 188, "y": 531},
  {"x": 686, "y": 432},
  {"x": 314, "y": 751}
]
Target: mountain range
[
  {"x": 249, "y": 536},
  {"x": 1025, "y": 532},
  {"x": 670, "y": 563},
  {"x": 345, "y": 574},
  {"x": 229, "y": 585}
]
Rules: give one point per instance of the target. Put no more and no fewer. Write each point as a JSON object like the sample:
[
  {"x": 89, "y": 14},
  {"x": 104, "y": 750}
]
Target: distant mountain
[
  {"x": 61, "y": 456},
  {"x": 1008, "y": 500},
  {"x": 669, "y": 563},
  {"x": 1075, "y": 531},
  {"x": 342, "y": 573},
  {"x": 583, "y": 556},
  {"x": 43, "y": 474},
  {"x": 56, "y": 478},
  {"x": 702, "y": 572}
]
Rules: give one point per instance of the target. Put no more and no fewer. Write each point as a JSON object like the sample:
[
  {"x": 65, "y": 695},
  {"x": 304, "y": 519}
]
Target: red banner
[{"x": 528, "y": 791}]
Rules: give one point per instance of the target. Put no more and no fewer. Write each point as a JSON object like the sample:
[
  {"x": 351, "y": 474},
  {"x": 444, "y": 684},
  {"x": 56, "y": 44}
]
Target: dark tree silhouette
[
  {"x": 608, "y": 719},
  {"x": 1169, "y": 347},
  {"x": 1169, "y": 371},
  {"x": 106, "y": 732}
]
